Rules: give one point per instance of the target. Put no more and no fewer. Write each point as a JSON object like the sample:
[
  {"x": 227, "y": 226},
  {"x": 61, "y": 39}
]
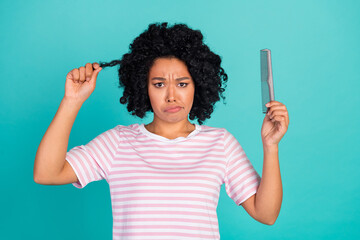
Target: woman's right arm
[
  {"x": 50, "y": 156},
  {"x": 50, "y": 167}
]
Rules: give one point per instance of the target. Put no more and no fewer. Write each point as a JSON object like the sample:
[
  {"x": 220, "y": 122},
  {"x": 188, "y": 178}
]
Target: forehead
[{"x": 166, "y": 66}]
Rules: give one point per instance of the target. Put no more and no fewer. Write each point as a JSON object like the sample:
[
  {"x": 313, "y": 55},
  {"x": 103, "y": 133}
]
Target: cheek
[
  {"x": 190, "y": 96},
  {"x": 155, "y": 98}
]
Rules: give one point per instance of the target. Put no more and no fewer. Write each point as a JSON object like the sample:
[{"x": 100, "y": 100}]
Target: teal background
[{"x": 315, "y": 56}]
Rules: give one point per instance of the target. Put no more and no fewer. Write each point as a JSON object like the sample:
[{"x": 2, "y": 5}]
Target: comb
[{"x": 267, "y": 84}]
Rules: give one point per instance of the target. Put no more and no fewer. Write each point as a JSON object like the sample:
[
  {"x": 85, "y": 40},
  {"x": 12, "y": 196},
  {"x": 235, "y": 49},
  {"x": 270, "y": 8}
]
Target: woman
[{"x": 165, "y": 177}]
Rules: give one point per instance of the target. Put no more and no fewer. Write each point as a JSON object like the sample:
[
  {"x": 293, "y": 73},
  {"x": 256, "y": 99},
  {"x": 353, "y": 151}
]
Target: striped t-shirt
[{"x": 165, "y": 188}]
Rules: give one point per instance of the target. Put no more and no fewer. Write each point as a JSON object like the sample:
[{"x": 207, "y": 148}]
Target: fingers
[
  {"x": 279, "y": 109},
  {"x": 95, "y": 74},
  {"x": 277, "y": 112},
  {"x": 82, "y": 74},
  {"x": 88, "y": 71},
  {"x": 96, "y": 65},
  {"x": 76, "y": 75},
  {"x": 271, "y": 103},
  {"x": 274, "y": 105}
]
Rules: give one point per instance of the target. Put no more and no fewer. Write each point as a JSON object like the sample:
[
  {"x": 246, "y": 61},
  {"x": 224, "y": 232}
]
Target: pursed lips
[{"x": 170, "y": 108}]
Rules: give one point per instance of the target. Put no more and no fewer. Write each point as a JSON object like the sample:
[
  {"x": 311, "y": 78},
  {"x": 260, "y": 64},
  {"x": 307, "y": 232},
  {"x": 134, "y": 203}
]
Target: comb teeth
[
  {"x": 267, "y": 87},
  {"x": 264, "y": 64}
]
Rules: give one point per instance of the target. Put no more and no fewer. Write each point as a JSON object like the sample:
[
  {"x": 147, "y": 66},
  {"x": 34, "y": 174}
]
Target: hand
[
  {"x": 275, "y": 124},
  {"x": 81, "y": 82}
]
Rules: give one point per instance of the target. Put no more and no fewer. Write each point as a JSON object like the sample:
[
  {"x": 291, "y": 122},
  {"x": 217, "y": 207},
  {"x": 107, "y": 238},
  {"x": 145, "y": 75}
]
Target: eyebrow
[{"x": 163, "y": 79}]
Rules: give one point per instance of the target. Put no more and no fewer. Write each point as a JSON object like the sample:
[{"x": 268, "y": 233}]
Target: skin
[
  {"x": 169, "y": 84},
  {"x": 264, "y": 206}
]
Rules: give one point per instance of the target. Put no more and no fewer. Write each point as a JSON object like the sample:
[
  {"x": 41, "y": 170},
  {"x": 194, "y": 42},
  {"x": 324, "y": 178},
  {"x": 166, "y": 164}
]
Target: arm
[
  {"x": 51, "y": 153},
  {"x": 264, "y": 206},
  {"x": 50, "y": 166}
]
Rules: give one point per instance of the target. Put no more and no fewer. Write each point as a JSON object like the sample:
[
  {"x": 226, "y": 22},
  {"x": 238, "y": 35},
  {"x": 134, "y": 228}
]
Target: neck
[{"x": 170, "y": 130}]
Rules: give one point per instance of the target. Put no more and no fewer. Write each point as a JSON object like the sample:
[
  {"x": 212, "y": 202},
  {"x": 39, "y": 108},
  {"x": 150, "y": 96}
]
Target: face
[{"x": 170, "y": 85}]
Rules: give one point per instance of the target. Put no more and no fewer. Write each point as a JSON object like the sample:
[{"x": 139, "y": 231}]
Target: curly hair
[{"x": 181, "y": 42}]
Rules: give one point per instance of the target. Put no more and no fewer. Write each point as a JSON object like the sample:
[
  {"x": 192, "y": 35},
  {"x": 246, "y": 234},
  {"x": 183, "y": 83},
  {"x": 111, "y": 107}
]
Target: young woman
[{"x": 165, "y": 176}]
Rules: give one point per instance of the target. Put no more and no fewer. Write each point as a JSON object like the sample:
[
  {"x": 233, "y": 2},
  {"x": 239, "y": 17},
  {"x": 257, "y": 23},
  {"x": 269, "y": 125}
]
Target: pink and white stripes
[{"x": 165, "y": 188}]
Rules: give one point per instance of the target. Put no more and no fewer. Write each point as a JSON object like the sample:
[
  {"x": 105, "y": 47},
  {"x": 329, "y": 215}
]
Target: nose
[{"x": 170, "y": 93}]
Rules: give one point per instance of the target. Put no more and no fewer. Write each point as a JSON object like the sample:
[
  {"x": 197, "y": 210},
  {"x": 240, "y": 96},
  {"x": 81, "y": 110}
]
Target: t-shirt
[{"x": 165, "y": 188}]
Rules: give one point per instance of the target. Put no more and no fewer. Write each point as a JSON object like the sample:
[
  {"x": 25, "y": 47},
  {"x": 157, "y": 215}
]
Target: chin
[{"x": 174, "y": 118}]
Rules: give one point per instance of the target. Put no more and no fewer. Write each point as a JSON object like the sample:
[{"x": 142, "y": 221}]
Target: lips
[{"x": 172, "y": 108}]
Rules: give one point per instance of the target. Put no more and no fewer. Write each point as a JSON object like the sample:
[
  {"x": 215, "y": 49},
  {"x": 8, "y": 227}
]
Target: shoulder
[
  {"x": 126, "y": 131},
  {"x": 224, "y": 135},
  {"x": 207, "y": 128},
  {"x": 215, "y": 131},
  {"x": 127, "y": 128}
]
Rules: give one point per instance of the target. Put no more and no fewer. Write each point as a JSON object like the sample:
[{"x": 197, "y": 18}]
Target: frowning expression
[{"x": 170, "y": 85}]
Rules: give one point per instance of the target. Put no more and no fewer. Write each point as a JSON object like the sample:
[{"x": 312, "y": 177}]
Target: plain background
[{"x": 315, "y": 56}]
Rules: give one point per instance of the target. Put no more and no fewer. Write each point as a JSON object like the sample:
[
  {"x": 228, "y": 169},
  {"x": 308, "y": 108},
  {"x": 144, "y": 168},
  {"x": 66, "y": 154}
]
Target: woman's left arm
[
  {"x": 268, "y": 197},
  {"x": 265, "y": 205}
]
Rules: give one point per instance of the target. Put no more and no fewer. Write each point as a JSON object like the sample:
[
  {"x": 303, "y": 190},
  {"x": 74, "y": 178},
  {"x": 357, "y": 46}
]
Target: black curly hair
[{"x": 181, "y": 42}]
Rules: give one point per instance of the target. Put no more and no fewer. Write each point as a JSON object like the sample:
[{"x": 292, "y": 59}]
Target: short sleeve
[
  {"x": 93, "y": 161},
  {"x": 241, "y": 179}
]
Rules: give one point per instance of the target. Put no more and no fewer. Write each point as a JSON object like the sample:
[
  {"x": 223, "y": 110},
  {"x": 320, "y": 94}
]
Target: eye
[
  {"x": 184, "y": 85},
  {"x": 156, "y": 84}
]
